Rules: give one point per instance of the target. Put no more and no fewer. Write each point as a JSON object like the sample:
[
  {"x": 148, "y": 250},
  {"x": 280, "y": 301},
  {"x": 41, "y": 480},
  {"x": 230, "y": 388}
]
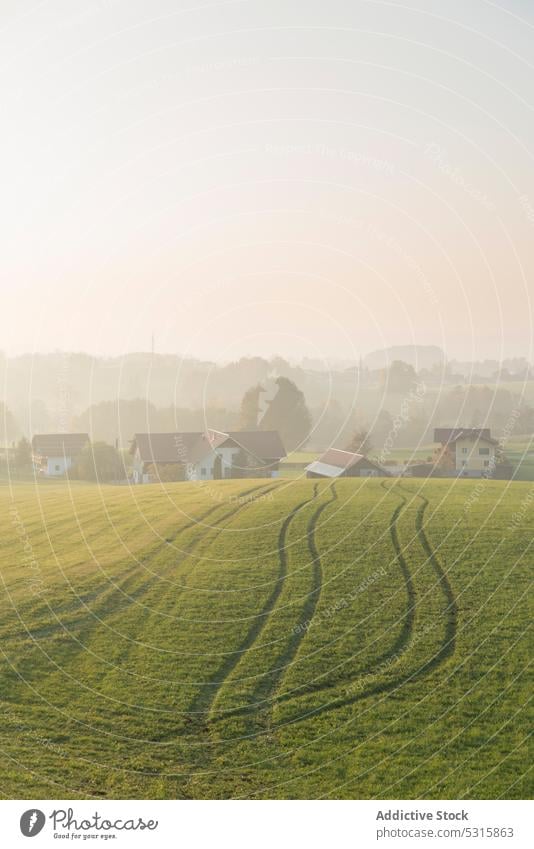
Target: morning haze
[
  {"x": 266, "y": 419},
  {"x": 239, "y": 180}
]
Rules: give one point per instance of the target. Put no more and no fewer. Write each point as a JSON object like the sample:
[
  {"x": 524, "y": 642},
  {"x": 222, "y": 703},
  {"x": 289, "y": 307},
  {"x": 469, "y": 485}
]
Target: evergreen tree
[
  {"x": 360, "y": 442},
  {"x": 400, "y": 377},
  {"x": 288, "y": 414},
  {"x": 9, "y": 427},
  {"x": 250, "y": 408},
  {"x": 23, "y": 455}
]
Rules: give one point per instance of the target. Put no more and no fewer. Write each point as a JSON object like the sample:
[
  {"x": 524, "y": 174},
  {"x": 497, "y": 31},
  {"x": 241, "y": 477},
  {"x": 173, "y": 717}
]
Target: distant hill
[{"x": 418, "y": 356}]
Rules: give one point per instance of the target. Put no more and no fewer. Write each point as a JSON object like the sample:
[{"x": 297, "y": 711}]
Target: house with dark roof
[
  {"x": 53, "y": 454},
  {"x": 335, "y": 463},
  {"x": 207, "y": 455},
  {"x": 465, "y": 451}
]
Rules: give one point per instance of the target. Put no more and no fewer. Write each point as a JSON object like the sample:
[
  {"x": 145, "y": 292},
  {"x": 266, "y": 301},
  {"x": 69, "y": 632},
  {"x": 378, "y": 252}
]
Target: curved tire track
[
  {"x": 204, "y": 703},
  {"x": 443, "y": 654},
  {"x": 276, "y": 679},
  {"x": 406, "y": 632},
  {"x": 449, "y": 643}
]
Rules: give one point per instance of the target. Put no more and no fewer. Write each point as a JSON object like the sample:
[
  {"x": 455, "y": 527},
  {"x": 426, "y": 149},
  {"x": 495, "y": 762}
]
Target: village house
[
  {"x": 53, "y": 454},
  {"x": 467, "y": 452},
  {"x": 206, "y": 455},
  {"x": 336, "y": 463}
]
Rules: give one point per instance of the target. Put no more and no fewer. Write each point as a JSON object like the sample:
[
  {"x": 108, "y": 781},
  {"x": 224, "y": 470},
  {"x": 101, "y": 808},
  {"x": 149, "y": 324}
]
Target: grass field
[{"x": 292, "y": 639}]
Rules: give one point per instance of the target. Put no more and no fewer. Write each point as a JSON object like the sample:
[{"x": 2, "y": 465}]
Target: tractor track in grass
[
  {"x": 449, "y": 644},
  {"x": 111, "y": 587},
  {"x": 445, "y": 651},
  {"x": 277, "y": 675},
  {"x": 169, "y": 541},
  {"x": 401, "y": 643},
  {"x": 406, "y": 633},
  {"x": 82, "y": 646},
  {"x": 184, "y": 553},
  {"x": 204, "y": 703},
  {"x": 108, "y": 595},
  {"x": 147, "y": 611},
  {"x": 309, "y": 609}
]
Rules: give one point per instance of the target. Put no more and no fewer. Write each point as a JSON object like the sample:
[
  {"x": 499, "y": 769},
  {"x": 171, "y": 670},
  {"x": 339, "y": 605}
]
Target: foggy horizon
[
  {"x": 268, "y": 356},
  {"x": 242, "y": 181}
]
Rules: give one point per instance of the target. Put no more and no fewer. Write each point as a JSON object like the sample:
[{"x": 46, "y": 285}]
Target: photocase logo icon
[{"x": 32, "y": 822}]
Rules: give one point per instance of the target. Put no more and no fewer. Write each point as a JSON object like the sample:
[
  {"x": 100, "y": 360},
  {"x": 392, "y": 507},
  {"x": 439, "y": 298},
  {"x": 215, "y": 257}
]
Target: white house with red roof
[{"x": 208, "y": 455}]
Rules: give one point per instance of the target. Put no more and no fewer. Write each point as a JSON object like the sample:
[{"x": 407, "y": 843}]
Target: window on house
[
  {"x": 486, "y": 462},
  {"x": 58, "y": 468},
  {"x": 464, "y": 450},
  {"x": 464, "y": 462},
  {"x": 203, "y": 472},
  {"x": 483, "y": 450}
]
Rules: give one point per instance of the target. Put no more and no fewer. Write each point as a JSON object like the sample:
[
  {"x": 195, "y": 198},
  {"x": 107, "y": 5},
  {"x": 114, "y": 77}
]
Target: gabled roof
[
  {"x": 324, "y": 469},
  {"x": 169, "y": 447},
  {"x": 339, "y": 458},
  {"x": 335, "y": 461},
  {"x": 194, "y": 446},
  {"x": 263, "y": 444},
  {"x": 59, "y": 444},
  {"x": 446, "y": 435}
]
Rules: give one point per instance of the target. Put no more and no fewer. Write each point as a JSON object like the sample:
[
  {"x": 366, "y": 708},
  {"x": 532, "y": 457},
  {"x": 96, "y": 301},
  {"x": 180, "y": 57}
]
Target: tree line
[{"x": 278, "y": 402}]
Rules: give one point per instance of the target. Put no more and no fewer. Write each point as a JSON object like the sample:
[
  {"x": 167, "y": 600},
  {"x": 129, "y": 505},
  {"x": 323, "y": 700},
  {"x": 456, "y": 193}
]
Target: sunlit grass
[{"x": 266, "y": 638}]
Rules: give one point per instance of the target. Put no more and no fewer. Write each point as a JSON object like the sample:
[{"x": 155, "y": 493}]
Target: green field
[
  {"x": 259, "y": 639},
  {"x": 299, "y": 458}
]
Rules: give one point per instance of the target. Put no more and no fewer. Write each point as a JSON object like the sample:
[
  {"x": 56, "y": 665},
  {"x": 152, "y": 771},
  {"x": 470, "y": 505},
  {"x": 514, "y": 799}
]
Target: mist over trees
[
  {"x": 361, "y": 442},
  {"x": 109, "y": 421},
  {"x": 9, "y": 427},
  {"x": 288, "y": 414},
  {"x": 249, "y": 413},
  {"x": 23, "y": 455},
  {"x": 402, "y": 377},
  {"x": 112, "y": 398}
]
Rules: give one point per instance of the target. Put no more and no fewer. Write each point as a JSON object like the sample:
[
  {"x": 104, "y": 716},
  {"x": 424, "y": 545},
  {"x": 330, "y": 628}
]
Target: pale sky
[{"x": 305, "y": 178}]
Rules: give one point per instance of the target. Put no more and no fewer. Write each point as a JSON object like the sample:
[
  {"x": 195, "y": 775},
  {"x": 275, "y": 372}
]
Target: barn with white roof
[{"x": 336, "y": 463}]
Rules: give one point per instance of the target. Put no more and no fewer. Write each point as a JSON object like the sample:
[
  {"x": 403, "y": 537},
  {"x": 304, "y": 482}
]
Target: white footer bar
[{"x": 267, "y": 825}]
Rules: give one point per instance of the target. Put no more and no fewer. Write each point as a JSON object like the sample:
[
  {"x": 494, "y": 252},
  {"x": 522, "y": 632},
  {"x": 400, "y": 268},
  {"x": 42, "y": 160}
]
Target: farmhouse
[
  {"x": 206, "y": 455},
  {"x": 53, "y": 454},
  {"x": 468, "y": 452},
  {"x": 335, "y": 463}
]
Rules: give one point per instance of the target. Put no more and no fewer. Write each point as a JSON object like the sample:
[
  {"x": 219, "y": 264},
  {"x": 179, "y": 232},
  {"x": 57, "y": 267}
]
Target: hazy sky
[{"x": 309, "y": 178}]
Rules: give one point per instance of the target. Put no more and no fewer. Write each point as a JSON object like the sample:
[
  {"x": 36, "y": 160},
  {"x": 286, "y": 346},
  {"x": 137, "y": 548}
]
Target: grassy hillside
[{"x": 288, "y": 639}]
